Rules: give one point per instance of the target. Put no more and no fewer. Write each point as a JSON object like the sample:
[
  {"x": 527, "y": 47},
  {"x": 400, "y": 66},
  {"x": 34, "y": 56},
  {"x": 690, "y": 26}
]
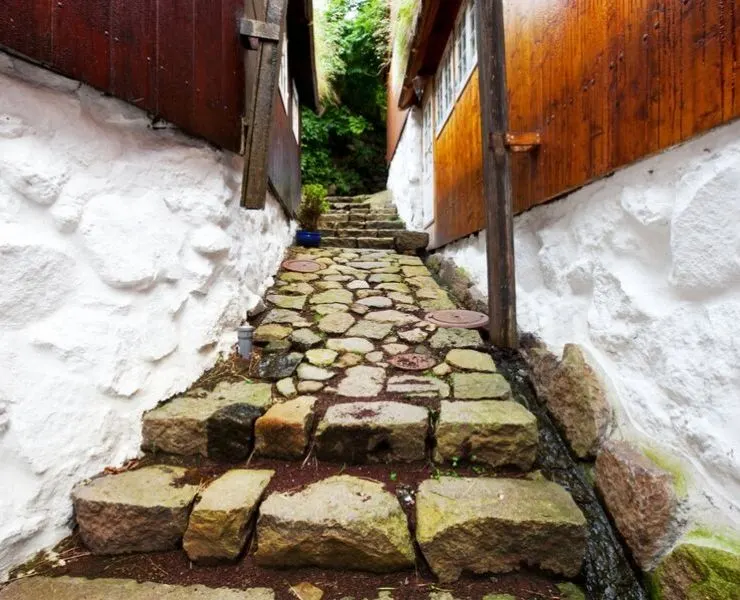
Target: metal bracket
[
  {"x": 514, "y": 142},
  {"x": 253, "y": 32}
]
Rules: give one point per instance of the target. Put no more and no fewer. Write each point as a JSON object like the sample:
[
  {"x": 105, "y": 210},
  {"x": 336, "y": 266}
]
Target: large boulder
[
  {"x": 136, "y": 511},
  {"x": 219, "y": 522},
  {"x": 489, "y": 525},
  {"x": 640, "y": 498},
  {"x": 217, "y": 424},
  {"x": 694, "y": 572},
  {"x": 488, "y": 432},
  {"x": 371, "y": 432},
  {"x": 574, "y": 396},
  {"x": 283, "y": 431},
  {"x": 339, "y": 523}
]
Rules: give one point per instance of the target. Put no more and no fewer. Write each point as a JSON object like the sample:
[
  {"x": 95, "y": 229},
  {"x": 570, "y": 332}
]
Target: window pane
[{"x": 473, "y": 32}]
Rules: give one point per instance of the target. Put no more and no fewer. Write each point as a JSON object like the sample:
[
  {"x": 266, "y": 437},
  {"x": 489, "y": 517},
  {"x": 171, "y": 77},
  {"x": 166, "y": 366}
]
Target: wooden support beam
[
  {"x": 259, "y": 115},
  {"x": 497, "y": 174}
]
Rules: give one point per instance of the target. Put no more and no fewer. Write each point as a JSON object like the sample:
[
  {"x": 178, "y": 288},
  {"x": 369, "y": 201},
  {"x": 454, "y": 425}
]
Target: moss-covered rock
[{"x": 693, "y": 572}]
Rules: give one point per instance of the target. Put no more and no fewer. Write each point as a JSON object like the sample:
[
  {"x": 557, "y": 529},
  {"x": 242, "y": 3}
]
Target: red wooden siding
[
  {"x": 284, "y": 159},
  {"x": 178, "y": 59},
  {"x": 606, "y": 84}
]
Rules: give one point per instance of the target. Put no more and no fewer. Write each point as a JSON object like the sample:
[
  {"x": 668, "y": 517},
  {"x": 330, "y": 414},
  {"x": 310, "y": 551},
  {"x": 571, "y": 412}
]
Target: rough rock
[
  {"x": 455, "y": 338},
  {"x": 695, "y": 572},
  {"x": 375, "y": 357},
  {"x": 354, "y": 345},
  {"x": 301, "y": 288},
  {"x": 471, "y": 360},
  {"x": 290, "y": 302},
  {"x": 349, "y": 360},
  {"x": 304, "y": 339},
  {"x": 641, "y": 499},
  {"x": 134, "y": 511},
  {"x": 340, "y": 523},
  {"x": 271, "y": 332},
  {"x": 368, "y": 293},
  {"x": 358, "y": 284},
  {"x": 362, "y": 382},
  {"x": 574, "y": 396},
  {"x": 385, "y": 278},
  {"x": 372, "y": 432},
  {"x": 332, "y": 297},
  {"x": 218, "y": 525},
  {"x": 493, "y": 433},
  {"x": 328, "y": 285},
  {"x": 279, "y": 366},
  {"x": 393, "y": 287},
  {"x": 570, "y": 591},
  {"x": 293, "y": 277},
  {"x": 376, "y": 302},
  {"x": 321, "y": 357},
  {"x": 485, "y": 525},
  {"x": 394, "y": 349},
  {"x": 442, "y": 370},
  {"x": 373, "y": 331},
  {"x": 286, "y": 387},
  {"x": 337, "y": 322},
  {"x": 68, "y": 588},
  {"x": 284, "y": 317},
  {"x": 328, "y": 309},
  {"x": 283, "y": 431},
  {"x": 411, "y": 240},
  {"x": 309, "y": 387},
  {"x": 392, "y": 316},
  {"x": 359, "y": 309},
  {"x": 475, "y": 386},
  {"x": 208, "y": 423},
  {"x": 415, "y": 336},
  {"x": 312, "y": 373},
  {"x": 417, "y": 386}
]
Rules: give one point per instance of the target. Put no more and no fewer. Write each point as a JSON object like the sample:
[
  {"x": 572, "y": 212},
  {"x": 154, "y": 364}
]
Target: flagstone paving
[{"x": 324, "y": 408}]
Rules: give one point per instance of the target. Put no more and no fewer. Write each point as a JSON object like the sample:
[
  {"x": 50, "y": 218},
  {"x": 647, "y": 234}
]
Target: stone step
[
  {"x": 136, "y": 511},
  {"x": 349, "y": 206},
  {"x": 358, "y": 242},
  {"x": 386, "y": 239},
  {"x": 347, "y": 199},
  {"x": 77, "y": 588},
  {"x": 342, "y": 522},
  {"x": 217, "y": 424},
  {"x": 485, "y": 525},
  {"x": 371, "y": 432},
  {"x": 488, "y": 432}
]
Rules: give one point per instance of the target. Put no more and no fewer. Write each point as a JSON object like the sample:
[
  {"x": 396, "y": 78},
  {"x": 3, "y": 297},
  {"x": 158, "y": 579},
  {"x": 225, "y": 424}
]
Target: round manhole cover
[
  {"x": 464, "y": 319},
  {"x": 412, "y": 362},
  {"x": 302, "y": 266}
]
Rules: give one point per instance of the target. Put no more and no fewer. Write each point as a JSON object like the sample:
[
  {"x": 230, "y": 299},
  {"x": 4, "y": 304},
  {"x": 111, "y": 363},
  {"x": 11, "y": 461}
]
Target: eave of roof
[{"x": 301, "y": 53}]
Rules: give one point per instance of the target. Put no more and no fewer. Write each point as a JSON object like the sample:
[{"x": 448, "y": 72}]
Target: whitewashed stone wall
[
  {"x": 125, "y": 265},
  {"x": 405, "y": 173},
  {"x": 643, "y": 270}
]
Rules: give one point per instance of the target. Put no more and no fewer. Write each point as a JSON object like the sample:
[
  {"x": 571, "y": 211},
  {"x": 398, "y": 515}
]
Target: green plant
[{"x": 313, "y": 205}]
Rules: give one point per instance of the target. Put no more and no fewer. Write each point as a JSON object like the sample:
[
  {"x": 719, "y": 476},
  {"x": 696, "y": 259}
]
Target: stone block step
[
  {"x": 136, "y": 511},
  {"x": 486, "y": 525},
  {"x": 342, "y": 522},
  {"x": 218, "y": 526},
  {"x": 493, "y": 433},
  {"x": 363, "y": 242},
  {"x": 372, "y": 432},
  {"x": 74, "y": 588},
  {"x": 347, "y": 199},
  {"x": 217, "y": 424}
]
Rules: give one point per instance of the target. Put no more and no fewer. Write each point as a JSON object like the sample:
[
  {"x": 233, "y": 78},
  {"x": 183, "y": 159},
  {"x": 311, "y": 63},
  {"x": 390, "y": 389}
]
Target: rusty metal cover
[
  {"x": 302, "y": 266},
  {"x": 463, "y": 319},
  {"x": 412, "y": 362}
]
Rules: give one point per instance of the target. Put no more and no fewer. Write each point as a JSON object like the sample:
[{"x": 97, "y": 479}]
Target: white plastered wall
[
  {"x": 643, "y": 270},
  {"x": 126, "y": 263},
  {"x": 405, "y": 173}
]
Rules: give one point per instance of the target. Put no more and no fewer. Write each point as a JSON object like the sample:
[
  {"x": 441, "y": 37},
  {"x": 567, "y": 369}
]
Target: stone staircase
[
  {"x": 367, "y": 222},
  {"x": 319, "y": 469}
]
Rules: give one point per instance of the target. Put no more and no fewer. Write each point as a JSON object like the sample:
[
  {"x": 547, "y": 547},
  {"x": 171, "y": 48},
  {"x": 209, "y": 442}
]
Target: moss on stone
[
  {"x": 693, "y": 572},
  {"x": 570, "y": 591},
  {"x": 672, "y": 466},
  {"x": 707, "y": 537}
]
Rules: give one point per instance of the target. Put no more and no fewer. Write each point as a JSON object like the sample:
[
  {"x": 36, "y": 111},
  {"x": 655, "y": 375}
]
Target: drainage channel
[{"x": 607, "y": 570}]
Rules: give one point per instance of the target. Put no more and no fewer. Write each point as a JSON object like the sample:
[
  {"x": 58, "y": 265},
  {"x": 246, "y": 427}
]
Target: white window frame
[
  {"x": 295, "y": 108},
  {"x": 459, "y": 60},
  {"x": 284, "y": 77}
]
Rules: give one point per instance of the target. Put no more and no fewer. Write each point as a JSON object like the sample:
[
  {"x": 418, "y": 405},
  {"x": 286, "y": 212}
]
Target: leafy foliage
[
  {"x": 344, "y": 148},
  {"x": 313, "y": 205}
]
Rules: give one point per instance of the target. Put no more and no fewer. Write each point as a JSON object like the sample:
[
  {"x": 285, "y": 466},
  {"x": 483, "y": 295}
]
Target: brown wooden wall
[
  {"x": 458, "y": 170},
  {"x": 284, "y": 159},
  {"x": 147, "y": 52},
  {"x": 605, "y": 83}
]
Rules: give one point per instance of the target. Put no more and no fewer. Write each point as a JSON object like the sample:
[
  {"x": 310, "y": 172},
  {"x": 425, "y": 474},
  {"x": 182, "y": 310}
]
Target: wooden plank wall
[
  {"x": 458, "y": 170},
  {"x": 606, "y": 84},
  {"x": 284, "y": 160},
  {"x": 177, "y": 59}
]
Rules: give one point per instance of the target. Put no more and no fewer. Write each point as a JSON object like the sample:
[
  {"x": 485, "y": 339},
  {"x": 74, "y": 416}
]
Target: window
[
  {"x": 283, "y": 80},
  {"x": 296, "y": 114},
  {"x": 459, "y": 60}
]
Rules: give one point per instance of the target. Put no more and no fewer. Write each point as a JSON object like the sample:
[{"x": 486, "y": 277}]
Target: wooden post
[
  {"x": 259, "y": 114},
  {"x": 497, "y": 174}
]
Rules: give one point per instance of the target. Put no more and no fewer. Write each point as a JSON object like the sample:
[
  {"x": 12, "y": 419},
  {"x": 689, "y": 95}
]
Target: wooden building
[
  {"x": 592, "y": 86},
  {"x": 187, "y": 63}
]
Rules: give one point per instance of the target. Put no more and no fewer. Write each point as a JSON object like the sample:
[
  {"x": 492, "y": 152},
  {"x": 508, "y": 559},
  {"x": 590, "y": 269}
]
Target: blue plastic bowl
[{"x": 308, "y": 239}]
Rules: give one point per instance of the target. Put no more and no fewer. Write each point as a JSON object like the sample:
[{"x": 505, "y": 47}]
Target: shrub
[{"x": 313, "y": 205}]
